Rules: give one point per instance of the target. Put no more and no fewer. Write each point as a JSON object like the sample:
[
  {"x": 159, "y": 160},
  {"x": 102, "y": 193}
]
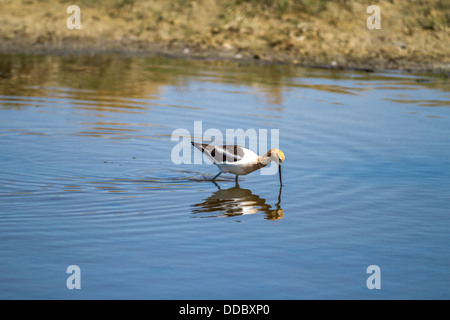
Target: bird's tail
[{"x": 205, "y": 148}]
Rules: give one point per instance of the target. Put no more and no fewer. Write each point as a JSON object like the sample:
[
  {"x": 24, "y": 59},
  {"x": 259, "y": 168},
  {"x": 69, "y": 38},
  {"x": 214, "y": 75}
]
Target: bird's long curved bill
[{"x": 279, "y": 173}]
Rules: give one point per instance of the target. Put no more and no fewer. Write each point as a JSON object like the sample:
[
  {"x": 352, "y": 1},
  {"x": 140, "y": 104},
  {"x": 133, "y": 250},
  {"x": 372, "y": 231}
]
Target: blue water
[{"x": 86, "y": 179}]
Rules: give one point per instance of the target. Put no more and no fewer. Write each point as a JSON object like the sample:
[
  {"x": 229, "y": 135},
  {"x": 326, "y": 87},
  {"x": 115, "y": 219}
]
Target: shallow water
[{"x": 86, "y": 179}]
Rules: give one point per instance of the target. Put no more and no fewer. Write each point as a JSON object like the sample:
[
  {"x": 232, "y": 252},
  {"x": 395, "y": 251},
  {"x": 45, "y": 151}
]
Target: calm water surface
[{"x": 86, "y": 179}]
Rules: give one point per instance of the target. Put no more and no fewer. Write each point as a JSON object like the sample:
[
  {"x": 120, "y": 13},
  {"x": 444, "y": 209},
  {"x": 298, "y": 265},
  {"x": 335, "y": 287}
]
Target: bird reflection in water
[{"x": 237, "y": 201}]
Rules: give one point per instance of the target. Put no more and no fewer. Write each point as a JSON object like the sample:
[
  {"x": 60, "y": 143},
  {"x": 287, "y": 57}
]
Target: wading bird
[{"x": 238, "y": 160}]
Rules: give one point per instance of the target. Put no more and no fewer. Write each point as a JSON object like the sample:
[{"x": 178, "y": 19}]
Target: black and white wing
[{"x": 221, "y": 154}]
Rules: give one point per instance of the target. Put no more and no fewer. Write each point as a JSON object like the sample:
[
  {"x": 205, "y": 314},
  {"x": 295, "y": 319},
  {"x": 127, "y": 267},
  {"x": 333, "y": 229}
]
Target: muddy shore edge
[{"x": 186, "y": 51}]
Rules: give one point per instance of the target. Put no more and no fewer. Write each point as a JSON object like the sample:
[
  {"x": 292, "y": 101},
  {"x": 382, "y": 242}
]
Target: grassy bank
[{"x": 414, "y": 35}]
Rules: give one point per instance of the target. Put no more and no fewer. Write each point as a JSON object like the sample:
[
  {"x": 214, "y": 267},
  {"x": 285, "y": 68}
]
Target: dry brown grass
[{"x": 413, "y": 34}]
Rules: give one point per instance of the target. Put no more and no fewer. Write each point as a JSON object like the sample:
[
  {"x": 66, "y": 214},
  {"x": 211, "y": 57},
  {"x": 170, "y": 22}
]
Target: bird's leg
[
  {"x": 236, "y": 185},
  {"x": 216, "y": 176}
]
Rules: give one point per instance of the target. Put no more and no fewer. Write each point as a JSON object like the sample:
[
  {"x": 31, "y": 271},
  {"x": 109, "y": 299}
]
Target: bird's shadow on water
[{"x": 236, "y": 201}]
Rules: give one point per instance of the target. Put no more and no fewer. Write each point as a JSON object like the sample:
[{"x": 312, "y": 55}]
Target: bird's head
[{"x": 276, "y": 155}]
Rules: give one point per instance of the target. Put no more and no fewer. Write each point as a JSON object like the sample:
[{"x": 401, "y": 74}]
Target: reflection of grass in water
[
  {"x": 112, "y": 85},
  {"x": 422, "y": 103},
  {"x": 121, "y": 79}
]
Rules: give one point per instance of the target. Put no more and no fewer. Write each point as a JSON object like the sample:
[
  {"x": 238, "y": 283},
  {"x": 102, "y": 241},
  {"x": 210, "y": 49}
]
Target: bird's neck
[{"x": 264, "y": 160}]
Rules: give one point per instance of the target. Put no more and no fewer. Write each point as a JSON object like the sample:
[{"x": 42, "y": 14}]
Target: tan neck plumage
[{"x": 264, "y": 160}]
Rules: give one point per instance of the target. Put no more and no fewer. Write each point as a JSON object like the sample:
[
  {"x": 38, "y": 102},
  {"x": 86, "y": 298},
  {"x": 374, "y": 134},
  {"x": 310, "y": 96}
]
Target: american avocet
[{"x": 238, "y": 160}]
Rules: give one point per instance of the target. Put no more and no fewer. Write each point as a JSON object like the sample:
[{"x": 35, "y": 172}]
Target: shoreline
[{"x": 188, "y": 52}]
